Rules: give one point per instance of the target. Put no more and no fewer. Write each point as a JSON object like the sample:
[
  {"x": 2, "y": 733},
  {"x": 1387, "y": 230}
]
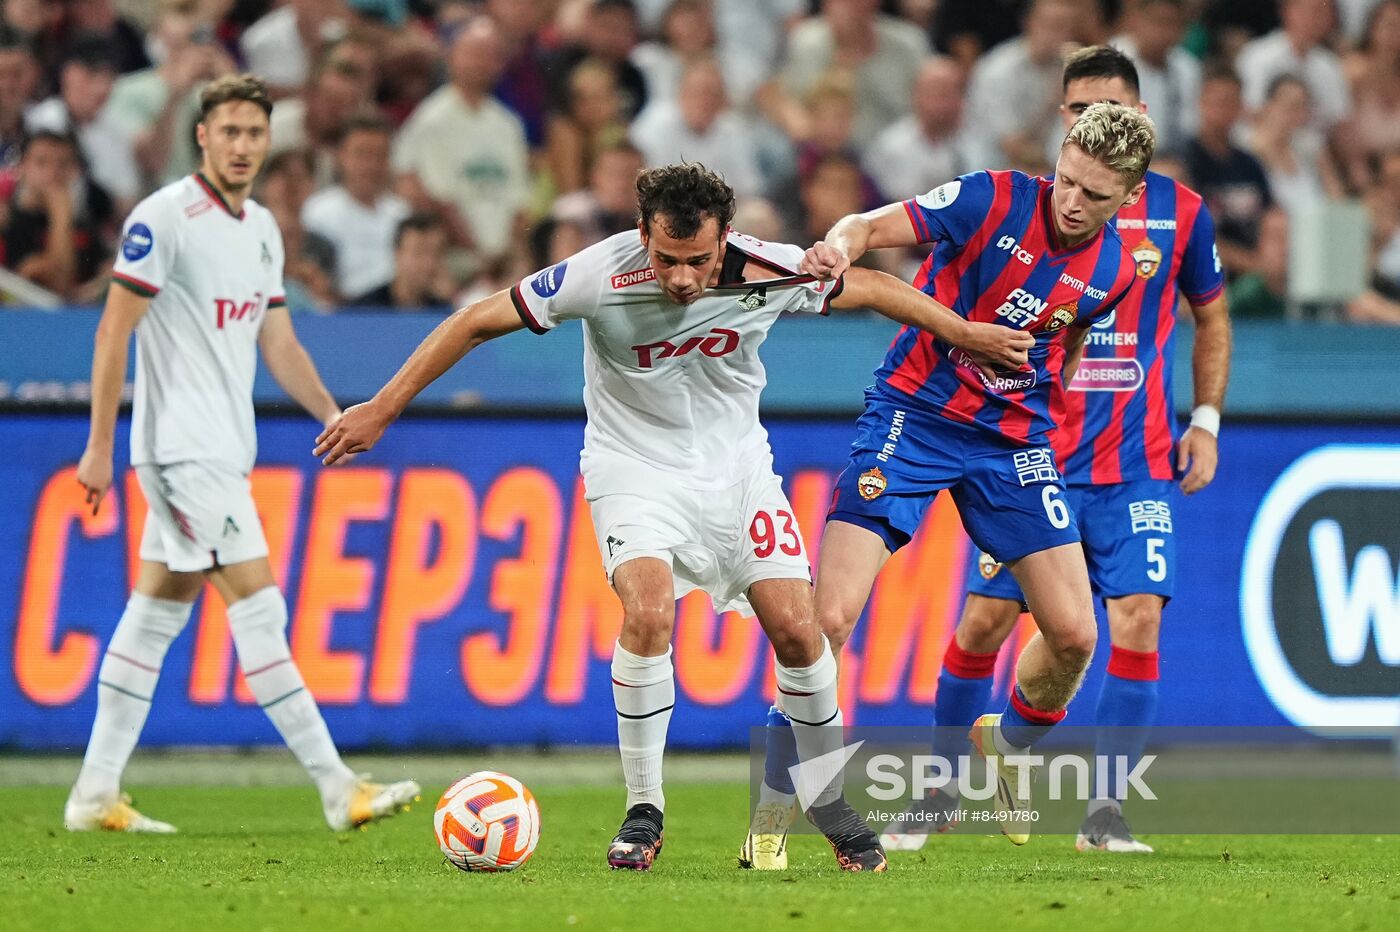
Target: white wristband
[{"x": 1207, "y": 418}]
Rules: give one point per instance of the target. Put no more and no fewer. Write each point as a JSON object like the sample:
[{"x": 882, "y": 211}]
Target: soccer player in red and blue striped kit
[
  {"x": 1028, "y": 253},
  {"x": 1115, "y": 448}
]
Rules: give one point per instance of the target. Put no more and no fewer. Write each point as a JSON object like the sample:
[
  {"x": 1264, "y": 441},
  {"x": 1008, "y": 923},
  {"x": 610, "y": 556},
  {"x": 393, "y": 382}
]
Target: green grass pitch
[{"x": 259, "y": 857}]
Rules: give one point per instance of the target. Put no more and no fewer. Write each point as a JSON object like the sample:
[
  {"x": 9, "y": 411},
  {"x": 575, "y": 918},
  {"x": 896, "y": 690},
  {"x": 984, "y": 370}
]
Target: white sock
[
  {"x": 126, "y": 682},
  {"x": 259, "y": 627},
  {"x": 809, "y": 698},
  {"x": 644, "y": 692}
]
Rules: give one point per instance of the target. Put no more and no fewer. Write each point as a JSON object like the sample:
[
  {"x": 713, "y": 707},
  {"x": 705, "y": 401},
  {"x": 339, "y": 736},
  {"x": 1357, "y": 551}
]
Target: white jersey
[
  {"x": 668, "y": 386},
  {"x": 211, "y": 277}
]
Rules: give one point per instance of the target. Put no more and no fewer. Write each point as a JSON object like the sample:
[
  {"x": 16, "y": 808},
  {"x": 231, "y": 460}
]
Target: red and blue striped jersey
[
  {"x": 1116, "y": 420},
  {"x": 997, "y": 259}
]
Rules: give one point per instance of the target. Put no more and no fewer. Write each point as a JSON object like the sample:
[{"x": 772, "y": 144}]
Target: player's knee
[
  {"x": 836, "y": 621},
  {"x": 651, "y": 618},
  {"x": 984, "y": 624},
  {"x": 1135, "y": 622},
  {"x": 1073, "y": 645},
  {"x": 797, "y": 641}
]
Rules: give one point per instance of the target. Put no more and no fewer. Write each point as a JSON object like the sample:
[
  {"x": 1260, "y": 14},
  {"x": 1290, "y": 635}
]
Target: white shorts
[
  {"x": 718, "y": 540},
  {"x": 200, "y": 515}
]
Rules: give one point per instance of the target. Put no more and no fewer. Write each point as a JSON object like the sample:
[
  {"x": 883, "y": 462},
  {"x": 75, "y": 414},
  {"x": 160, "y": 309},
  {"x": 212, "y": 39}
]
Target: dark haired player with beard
[
  {"x": 676, "y": 465},
  {"x": 199, "y": 278}
]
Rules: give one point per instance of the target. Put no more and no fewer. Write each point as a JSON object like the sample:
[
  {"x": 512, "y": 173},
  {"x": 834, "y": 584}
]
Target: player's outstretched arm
[
  {"x": 856, "y": 234},
  {"x": 1198, "y": 452},
  {"x": 992, "y": 345},
  {"x": 293, "y": 369},
  {"x": 122, "y": 313},
  {"x": 361, "y": 426}
]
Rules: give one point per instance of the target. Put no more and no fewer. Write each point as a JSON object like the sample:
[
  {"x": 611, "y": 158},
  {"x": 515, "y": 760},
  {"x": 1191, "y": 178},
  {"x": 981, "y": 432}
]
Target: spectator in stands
[
  {"x": 750, "y": 37},
  {"x": 99, "y": 18},
  {"x": 687, "y": 33},
  {"x": 1384, "y": 204},
  {"x": 608, "y": 34},
  {"x": 1374, "y": 74},
  {"x": 1170, "y": 76},
  {"x": 280, "y": 47},
  {"x": 700, "y": 127},
  {"x": 158, "y": 107},
  {"x": 1262, "y": 294},
  {"x": 360, "y": 215},
  {"x": 53, "y": 235},
  {"x": 19, "y": 76},
  {"x": 1232, "y": 182},
  {"x": 419, "y": 243},
  {"x": 341, "y": 88},
  {"x": 883, "y": 52},
  {"x": 966, "y": 29},
  {"x": 85, "y": 83},
  {"x": 830, "y": 191},
  {"x": 926, "y": 148},
  {"x": 524, "y": 84},
  {"x": 590, "y": 120},
  {"x": 1015, "y": 91},
  {"x": 1298, "y": 48},
  {"x": 479, "y": 184},
  {"x": 1294, "y": 155},
  {"x": 309, "y": 270},
  {"x": 832, "y": 115},
  {"x": 609, "y": 204}
]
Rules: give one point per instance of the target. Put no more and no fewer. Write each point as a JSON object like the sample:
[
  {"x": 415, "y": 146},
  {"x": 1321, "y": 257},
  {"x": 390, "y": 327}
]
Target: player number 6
[{"x": 1055, "y": 508}]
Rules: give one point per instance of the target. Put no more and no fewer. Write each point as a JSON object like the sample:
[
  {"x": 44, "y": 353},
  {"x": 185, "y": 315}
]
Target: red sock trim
[
  {"x": 1033, "y": 715},
  {"x": 1132, "y": 664},
  {"x": 966, "y": 664}
]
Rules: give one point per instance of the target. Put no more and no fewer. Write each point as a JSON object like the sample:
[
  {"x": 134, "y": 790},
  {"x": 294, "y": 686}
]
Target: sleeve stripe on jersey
[
  {"x": 130, "y": 283},
  {"x": 1204, "y": 299},
  {"x": 911, "y": 207},
  {"x": 526, "y": 317},
  {"x": 279, "y": 301},
  {"x": 835, "y": 292}
]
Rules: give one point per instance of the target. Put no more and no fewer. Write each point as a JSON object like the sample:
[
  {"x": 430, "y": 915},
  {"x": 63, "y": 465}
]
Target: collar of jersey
[
  {"x": 213, "y": 192},
  {"x": 1052, "y": 233}
]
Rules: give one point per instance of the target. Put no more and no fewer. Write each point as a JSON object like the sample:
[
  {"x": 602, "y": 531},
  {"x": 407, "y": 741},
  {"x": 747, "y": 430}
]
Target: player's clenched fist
[
  {"x": 355, "y": 431},
  {"x": 825, "y": 262},
  {"x": 1003, "y": 347}
]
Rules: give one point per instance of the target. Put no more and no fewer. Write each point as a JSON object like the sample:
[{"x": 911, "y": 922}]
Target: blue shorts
[
  {"x": 1010, "y": 497},
  {"x": 1128, "y": 542}
]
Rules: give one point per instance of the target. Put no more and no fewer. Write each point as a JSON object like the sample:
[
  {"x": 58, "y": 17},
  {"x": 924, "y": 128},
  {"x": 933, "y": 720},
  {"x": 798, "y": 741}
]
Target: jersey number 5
[{"x": 763, "y": 532}]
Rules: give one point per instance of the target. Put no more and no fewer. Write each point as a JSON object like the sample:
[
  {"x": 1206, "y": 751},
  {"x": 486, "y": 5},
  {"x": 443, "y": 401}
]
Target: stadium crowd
[{"x": 426, "y": 152}]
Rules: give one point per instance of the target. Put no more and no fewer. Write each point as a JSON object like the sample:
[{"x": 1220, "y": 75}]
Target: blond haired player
[{"x": 199, "y": 278}]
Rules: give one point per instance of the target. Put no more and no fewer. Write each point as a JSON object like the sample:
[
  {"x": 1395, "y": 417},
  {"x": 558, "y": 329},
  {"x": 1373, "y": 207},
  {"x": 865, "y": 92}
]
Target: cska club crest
[
  {"x": 987, "y": 565},
  {"x": 1147, "y": 257},
  {"x": 871, "y": 484},
  {"x": 1063, "y": 316}
]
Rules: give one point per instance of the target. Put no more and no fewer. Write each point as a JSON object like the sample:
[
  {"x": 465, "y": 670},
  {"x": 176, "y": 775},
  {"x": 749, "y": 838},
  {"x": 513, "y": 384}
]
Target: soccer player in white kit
[
  {"x": 199, "y": 278},
  {"x": 676, "y": 466}
]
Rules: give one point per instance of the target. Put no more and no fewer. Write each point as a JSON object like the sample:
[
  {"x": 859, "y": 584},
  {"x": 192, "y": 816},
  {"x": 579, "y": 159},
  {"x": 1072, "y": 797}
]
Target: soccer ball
[{"x": 487, "y": 821}]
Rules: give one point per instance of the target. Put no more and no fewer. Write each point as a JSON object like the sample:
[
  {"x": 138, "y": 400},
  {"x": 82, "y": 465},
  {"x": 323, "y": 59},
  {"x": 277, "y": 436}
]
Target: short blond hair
[{"x": 1123, "y": 138}]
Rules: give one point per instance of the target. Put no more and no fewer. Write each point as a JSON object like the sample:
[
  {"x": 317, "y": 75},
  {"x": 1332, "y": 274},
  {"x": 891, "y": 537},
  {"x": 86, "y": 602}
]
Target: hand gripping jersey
[
  {"x": 1116, "y": 421},
  {"x": 211, "y": 277},
  {"x": 996, "y": 259},
  {"x": 668, "y": 386}
]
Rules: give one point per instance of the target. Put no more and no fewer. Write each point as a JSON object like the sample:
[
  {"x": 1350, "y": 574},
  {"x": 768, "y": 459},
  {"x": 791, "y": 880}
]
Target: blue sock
[
  {"x": 1022, "y": 725},
  {"x": 781, "y": 752},
  {"x": 1127, "y": 709},
  {"x": 956, "y": 705}
]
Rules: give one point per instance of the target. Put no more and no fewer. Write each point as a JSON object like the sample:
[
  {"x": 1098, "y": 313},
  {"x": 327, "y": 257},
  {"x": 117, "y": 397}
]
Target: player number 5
[
  {"x": 763, "y": 532},
  {"x": 1156, "y": 561},
  {"x": 1055, "y": 508}
]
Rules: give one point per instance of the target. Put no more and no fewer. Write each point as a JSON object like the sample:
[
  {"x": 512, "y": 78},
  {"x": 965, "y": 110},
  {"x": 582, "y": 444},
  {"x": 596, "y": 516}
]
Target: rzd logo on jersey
[
  {"x": 1319, "y": 595},
  {"x": 721, "y": 342},
  {"x": 227, "y": 310}
]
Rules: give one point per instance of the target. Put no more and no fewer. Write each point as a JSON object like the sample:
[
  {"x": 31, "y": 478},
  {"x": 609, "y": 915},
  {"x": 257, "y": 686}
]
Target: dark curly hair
[{"x": 684, "y": 195}]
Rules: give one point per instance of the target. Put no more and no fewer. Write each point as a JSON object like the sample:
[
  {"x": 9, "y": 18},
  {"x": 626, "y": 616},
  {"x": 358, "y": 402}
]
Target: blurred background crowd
[{"x": 425, "y": 152}]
